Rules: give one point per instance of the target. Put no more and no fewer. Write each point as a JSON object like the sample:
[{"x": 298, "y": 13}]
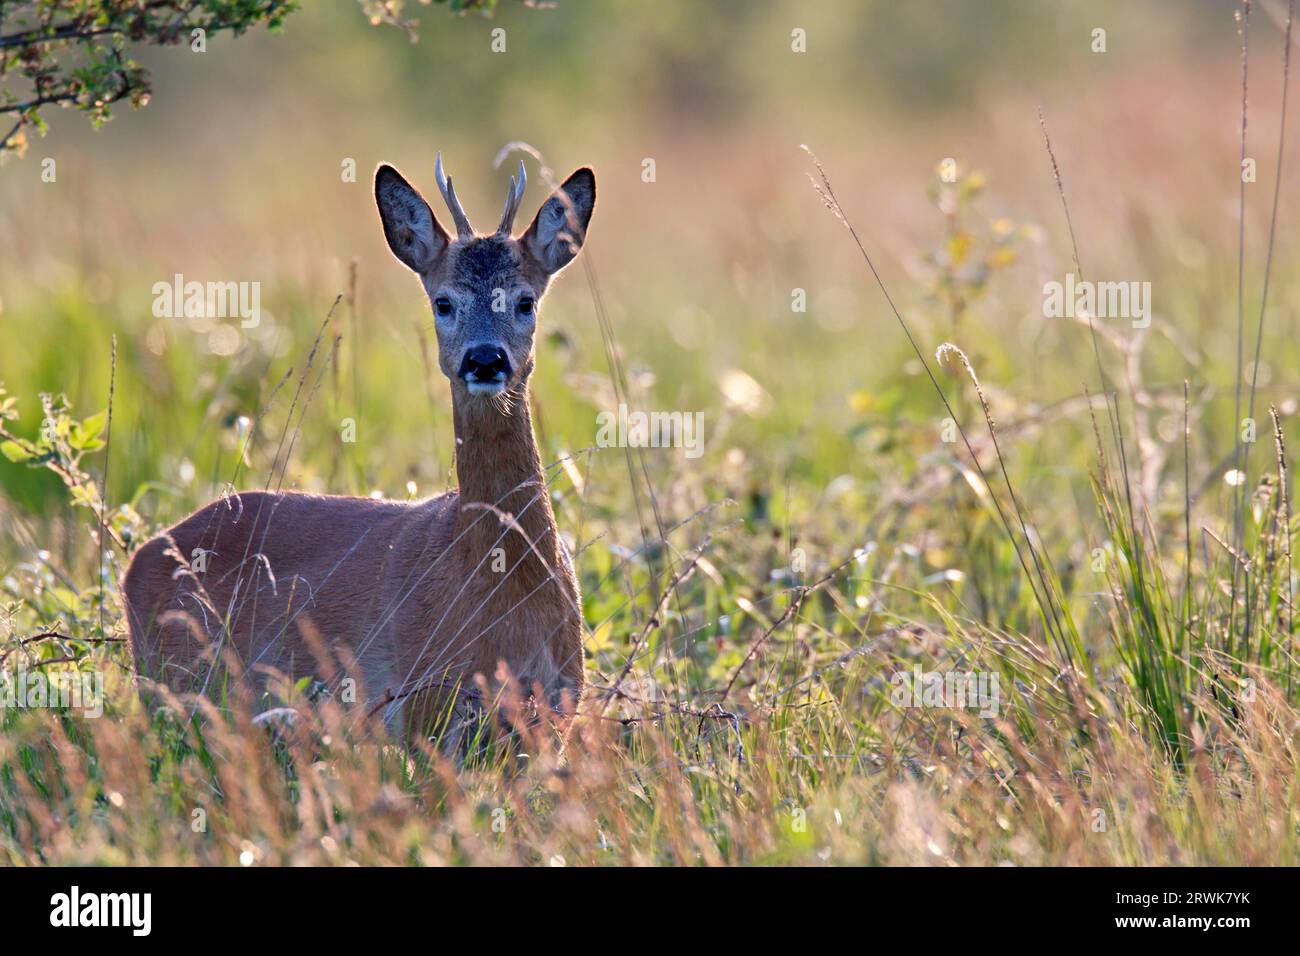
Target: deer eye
[
  {"x": 442, "y": 305},
  {"x": 526, "y": 306}
]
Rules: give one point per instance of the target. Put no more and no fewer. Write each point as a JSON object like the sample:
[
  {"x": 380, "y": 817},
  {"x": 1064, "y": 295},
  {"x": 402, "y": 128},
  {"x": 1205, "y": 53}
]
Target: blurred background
[
  {"x": 832, "y": 536},
  {"x": 234, "y": 172}
]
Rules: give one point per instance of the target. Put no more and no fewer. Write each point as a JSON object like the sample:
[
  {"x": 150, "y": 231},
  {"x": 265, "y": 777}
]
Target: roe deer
[{"x": 422, "y": 595}]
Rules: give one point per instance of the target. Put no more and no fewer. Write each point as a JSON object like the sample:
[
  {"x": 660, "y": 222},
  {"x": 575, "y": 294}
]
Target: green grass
[
  {"x": 748, "y": 611},
  {"x": 1147, "y": 730}
]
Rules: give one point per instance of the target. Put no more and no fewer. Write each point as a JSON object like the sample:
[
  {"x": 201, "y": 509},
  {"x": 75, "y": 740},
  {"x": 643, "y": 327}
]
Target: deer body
[{"x": 418, "y": 597}]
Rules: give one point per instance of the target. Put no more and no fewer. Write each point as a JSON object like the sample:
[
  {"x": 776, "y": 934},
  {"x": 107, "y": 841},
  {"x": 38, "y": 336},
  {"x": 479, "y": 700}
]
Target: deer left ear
[{"x": 560, "y": 226}]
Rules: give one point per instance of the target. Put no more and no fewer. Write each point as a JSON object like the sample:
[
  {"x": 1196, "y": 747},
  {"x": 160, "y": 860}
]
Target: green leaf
[
  {"x": 15, "y": 452},
  {"x": 86, "y": 433},
  {"x": 86, "y": 494}
]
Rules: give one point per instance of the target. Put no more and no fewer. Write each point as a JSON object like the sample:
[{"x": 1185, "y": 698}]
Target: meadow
[{"x": 908, "y": 465}]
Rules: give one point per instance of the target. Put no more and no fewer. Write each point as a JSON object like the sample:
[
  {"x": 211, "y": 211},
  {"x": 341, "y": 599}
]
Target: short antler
[
  {"x": 514, "y": 196},
  {"x": 463, "y": 229}
]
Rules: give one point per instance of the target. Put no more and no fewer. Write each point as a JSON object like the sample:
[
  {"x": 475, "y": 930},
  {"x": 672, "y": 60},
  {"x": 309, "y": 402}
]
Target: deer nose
[{"x": 485, "y": 363}]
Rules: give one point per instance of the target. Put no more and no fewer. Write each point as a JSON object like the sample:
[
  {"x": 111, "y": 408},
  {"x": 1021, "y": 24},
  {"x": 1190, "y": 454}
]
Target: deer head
[{"x": 484, "y": 289}]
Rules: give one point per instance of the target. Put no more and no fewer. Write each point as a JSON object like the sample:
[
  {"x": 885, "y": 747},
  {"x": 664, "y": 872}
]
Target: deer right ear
[{"x": 409, "y": 225}]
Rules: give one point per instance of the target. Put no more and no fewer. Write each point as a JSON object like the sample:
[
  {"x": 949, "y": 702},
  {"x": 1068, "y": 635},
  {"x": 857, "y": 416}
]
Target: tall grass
[{"x": 746, "y": 626}]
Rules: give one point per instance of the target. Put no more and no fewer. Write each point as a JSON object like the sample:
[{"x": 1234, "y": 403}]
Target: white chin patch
[{"x": 485, "y": 388}]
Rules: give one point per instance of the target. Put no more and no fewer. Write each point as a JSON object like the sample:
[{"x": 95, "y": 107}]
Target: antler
[
  {"x": 514, "y": 196},
  {"x": 463, "y": 229}
]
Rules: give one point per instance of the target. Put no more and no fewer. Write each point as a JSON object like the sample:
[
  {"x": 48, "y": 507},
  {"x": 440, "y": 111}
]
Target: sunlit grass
[{"x": 748, "y": 612}]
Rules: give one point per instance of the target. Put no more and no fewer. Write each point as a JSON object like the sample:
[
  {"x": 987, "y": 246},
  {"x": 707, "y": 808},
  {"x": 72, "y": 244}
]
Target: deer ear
[
  {"x": 409, "y": 226},
  {"x": 560, "y": 226}
]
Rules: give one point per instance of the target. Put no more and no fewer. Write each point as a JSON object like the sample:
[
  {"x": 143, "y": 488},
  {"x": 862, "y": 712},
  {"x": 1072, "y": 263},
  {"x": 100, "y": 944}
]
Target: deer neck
[{"x": 505, "y": 519}]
